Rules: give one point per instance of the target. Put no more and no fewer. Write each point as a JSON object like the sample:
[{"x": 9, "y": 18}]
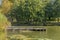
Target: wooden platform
[{"x": 27, "y": 28}]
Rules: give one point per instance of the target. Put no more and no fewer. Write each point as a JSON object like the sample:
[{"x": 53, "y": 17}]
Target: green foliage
[
  {"x": 52, "y": 10},
  {"x": 3, "y": 21},
  {"x": 29, "y": 11},
  {"x": 35, "y": 11},
  {"x": 3, "y": 24}
]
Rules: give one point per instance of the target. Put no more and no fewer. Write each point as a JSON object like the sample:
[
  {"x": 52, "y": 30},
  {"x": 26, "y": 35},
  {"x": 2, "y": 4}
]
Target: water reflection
[{"x": 52, "y": 33}]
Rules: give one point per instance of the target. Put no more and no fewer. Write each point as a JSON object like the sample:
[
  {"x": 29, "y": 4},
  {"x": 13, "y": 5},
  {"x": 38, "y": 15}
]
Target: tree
[
  {"x": 51, "y": 11},
  {"x": 3, "y": 24},
  {"x": 6, "y": 6},
  {"x": 29, "y": 11},
  {"x": 56, "y": 9}
]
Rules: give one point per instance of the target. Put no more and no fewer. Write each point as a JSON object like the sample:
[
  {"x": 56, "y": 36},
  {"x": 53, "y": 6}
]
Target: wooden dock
[{"x": 26, "y": 28}]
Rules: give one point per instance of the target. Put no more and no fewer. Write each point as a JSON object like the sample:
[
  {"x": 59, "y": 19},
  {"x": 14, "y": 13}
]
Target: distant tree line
[{"x": 34, "y": 12}]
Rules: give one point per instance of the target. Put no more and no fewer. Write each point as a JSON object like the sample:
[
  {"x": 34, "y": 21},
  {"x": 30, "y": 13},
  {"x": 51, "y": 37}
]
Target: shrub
[{"x": 3, "y": 24}]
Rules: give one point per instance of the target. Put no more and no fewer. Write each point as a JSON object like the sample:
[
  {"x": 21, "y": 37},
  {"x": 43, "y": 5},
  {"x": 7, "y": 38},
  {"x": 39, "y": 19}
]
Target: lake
[{"x": 51, "y": 33}]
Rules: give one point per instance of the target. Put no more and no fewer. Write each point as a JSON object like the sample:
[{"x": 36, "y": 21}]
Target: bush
[{"x": 3, "y": 24}]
